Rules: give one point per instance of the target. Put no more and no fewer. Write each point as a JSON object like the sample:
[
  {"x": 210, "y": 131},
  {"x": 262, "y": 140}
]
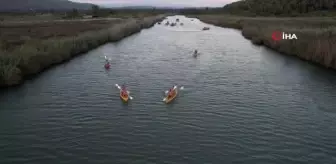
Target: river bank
[
  {"x": 42, "y": 52},
  {"x": 316, "y": 36}
]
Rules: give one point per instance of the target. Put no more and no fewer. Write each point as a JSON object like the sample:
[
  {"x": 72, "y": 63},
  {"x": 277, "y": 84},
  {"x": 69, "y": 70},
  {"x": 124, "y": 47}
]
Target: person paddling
[
  {"x": 123, "y": 88},
  {"x": 107, "y": 65},
  {"x": 123, "y": 91},
  {"x": 171, "y": 90}
]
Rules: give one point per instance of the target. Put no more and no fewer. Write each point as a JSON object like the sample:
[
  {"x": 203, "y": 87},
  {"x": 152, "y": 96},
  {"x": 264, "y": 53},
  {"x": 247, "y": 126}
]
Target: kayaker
[
  {"x": 170, "y": 95},
  {"x": 107, "y": 65},
  {"x": 123, "y": 88},
  {"x": 171, "y": 90}
]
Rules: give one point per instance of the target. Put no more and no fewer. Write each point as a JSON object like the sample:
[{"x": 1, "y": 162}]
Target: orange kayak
[
  {"x": 168, "y": 99},
  {"x": 124, "y": 96}
]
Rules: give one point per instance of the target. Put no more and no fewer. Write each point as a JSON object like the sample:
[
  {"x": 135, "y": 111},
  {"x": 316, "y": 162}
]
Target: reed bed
[
  {"x": 316, "y": 35},
  {"x": 36, "y": 55}
]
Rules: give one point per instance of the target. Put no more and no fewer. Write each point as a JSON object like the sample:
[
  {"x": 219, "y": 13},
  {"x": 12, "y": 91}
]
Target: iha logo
[{"x": 277, "y": 35}]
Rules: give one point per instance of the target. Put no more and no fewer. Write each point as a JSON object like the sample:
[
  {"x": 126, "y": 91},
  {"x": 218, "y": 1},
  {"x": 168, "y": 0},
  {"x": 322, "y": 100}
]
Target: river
[{"x": 241, "y": 104}]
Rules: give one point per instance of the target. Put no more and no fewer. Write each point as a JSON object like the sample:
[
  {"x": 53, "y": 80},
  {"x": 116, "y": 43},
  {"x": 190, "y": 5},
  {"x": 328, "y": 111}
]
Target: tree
[
  {"x": 95, "y": 11},
  {"x": 72, "y": 14},
  {"x": 75, "y": 13},
  {"x": 279, "y": 7}
]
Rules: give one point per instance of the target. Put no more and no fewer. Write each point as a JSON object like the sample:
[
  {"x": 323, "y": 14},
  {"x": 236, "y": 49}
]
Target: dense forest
[{"x": 272, "y": 8}]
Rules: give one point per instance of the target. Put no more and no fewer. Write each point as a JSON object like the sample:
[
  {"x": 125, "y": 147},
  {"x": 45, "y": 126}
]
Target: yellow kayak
[
  {"x": 124, "y": 96},
  {"x": 168, "y": 99}
]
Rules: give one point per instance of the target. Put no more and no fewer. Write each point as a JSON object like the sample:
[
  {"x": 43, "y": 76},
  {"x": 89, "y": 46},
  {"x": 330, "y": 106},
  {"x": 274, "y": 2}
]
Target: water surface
[{"x": 241, "y": 104}]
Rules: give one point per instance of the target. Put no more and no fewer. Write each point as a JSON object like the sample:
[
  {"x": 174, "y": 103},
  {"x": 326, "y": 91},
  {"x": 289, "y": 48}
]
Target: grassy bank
[
  {"x": 27, "y": 49},
  {"x": 316, "y": 35}
]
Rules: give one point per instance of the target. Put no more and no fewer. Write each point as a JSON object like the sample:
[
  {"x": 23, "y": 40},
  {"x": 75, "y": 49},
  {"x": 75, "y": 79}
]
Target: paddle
[
  {"x": 128, "y": 92},
  {"x": 107, "y": 59},
  {"x": 166, "y": 92},
  {"x": 118, "y": 86},
  {"x": 197, "y": 54}
]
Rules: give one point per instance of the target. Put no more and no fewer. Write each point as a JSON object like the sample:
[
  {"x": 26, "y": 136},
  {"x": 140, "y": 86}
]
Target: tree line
[
  {"x": 95, "y": 11},
  {"x": 272, "y": 8},
  {"x": 243, "y": 7}
]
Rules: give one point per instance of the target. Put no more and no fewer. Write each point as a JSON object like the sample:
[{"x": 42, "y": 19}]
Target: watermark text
[{"x": 277, "y": 36}]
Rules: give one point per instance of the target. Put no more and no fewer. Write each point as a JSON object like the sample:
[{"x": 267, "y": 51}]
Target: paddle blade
[
  {"x": 182, "y": 88},
  {"x": 105, "y": 57},
  {"x": 131, "y": 97},
  {"x": 164, "y": 99},
  {"x": 117, "y": 86}
]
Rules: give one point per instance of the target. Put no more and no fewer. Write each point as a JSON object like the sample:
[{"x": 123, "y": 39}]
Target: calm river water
[{"x": 241, "y": 104}]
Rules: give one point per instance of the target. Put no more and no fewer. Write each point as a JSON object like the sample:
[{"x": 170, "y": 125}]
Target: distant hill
[
  {"x": 135, "y": 6},
  {"x": 280, "y": 7},
  {"x": 23, "y": 5}
]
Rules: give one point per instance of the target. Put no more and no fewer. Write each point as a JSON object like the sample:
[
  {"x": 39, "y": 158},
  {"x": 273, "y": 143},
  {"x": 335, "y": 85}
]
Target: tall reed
[
  {"x": 36, "y": 55},
  {"x": 316, "y": 36}
]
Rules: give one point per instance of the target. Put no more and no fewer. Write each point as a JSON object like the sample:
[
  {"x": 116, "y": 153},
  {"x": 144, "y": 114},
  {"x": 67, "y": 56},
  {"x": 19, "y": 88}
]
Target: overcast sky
[{"x": 195, "y": 3}]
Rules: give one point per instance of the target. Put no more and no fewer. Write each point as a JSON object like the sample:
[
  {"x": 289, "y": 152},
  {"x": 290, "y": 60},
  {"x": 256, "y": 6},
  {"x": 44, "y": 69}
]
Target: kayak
[
  {"x": 168, "y": 99},
  {"x": 124, "y": 96}
]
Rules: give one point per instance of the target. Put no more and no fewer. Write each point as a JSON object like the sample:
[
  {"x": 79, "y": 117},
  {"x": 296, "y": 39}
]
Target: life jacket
[{"x": 123, "y": 93}]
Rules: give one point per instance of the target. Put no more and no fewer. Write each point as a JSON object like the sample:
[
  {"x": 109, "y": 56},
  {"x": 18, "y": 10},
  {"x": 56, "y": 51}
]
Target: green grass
[{"x": 316, "y": 35}]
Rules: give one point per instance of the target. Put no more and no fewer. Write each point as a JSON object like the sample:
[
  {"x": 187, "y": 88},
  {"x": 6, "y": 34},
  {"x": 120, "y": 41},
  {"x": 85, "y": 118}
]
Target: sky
[{"x": 160, "y": 3}]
